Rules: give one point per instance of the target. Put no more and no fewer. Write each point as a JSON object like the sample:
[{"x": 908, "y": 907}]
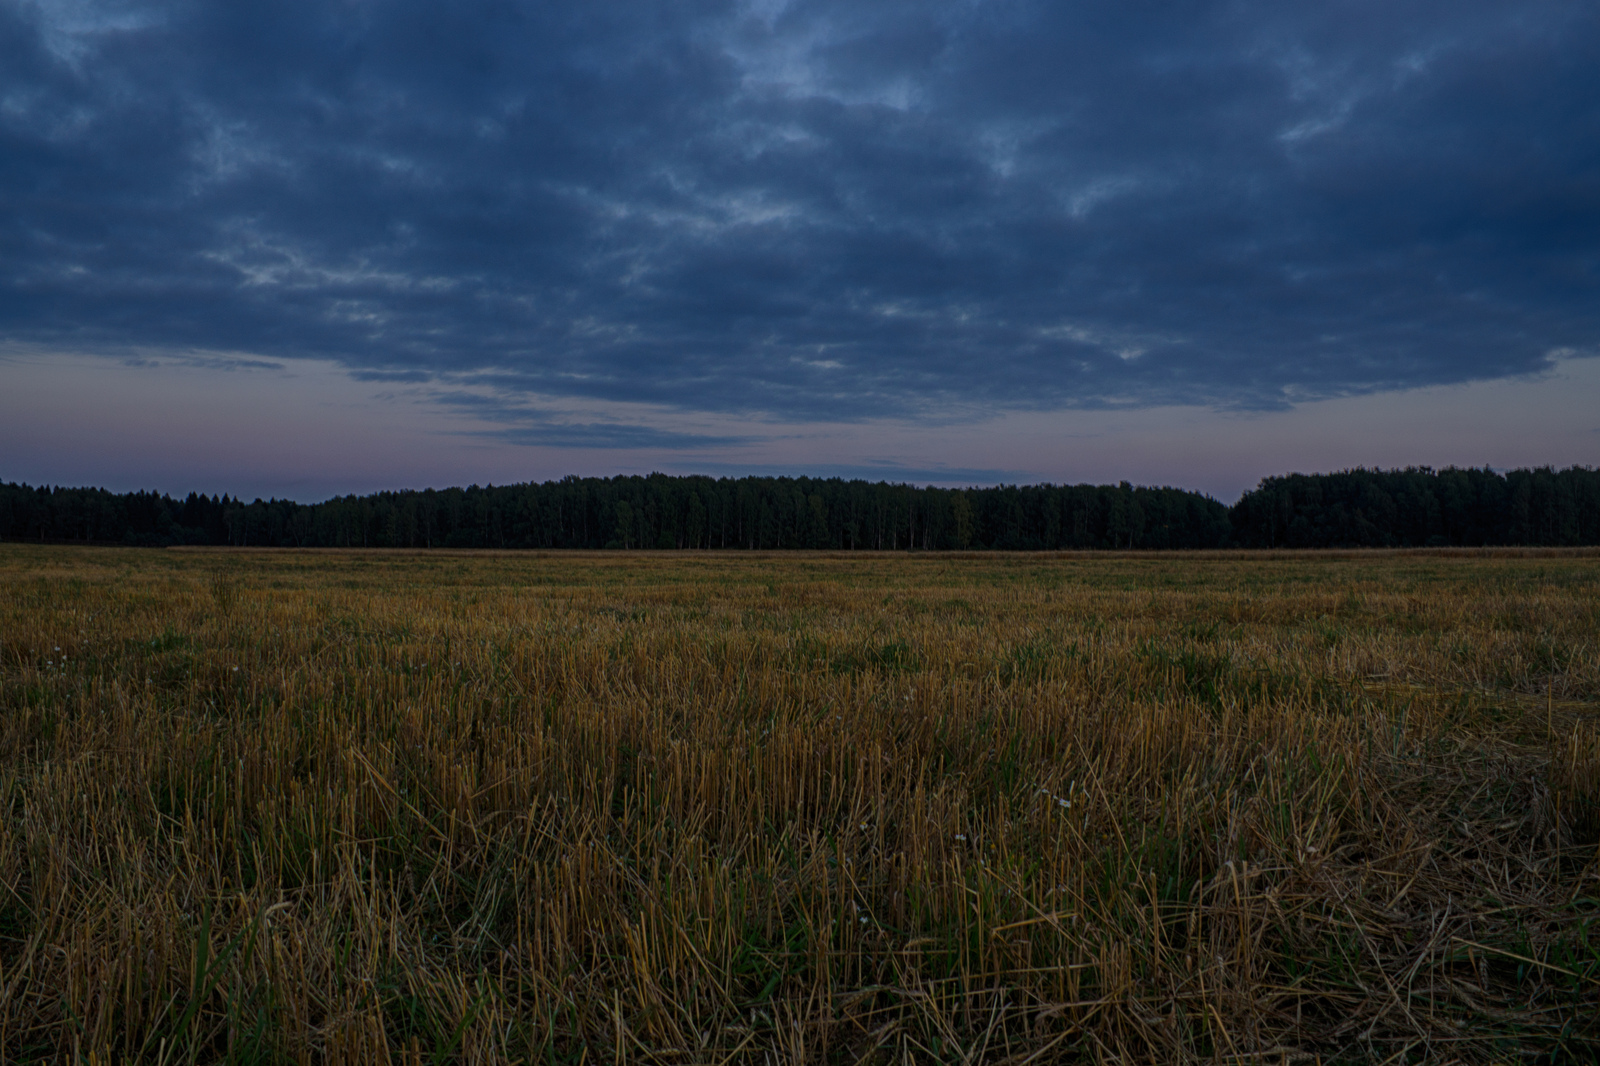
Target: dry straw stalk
[{"x": 272, "y": 807}]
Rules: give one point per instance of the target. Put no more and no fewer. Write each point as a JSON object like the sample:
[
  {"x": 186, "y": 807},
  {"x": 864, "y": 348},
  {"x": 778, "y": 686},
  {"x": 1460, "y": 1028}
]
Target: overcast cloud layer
[{"x": 814, "y": 209}]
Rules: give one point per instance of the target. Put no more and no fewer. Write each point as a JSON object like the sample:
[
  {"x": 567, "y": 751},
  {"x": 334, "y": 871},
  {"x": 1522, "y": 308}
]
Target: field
[{"x": 706, "y": 808}]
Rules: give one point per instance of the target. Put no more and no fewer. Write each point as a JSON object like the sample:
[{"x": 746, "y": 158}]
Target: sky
[{"x": 299, "y": 249}]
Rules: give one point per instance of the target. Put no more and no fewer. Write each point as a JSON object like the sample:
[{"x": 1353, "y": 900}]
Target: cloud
[
  {"x": 881, "y": 470},
  {"x": 500, "y": 414},
  {"x": 609, "y": 435},
  {"x": 812, "y": 210}
]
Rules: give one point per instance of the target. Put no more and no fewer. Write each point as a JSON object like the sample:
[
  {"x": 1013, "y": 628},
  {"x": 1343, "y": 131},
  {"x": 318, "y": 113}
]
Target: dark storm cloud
[{"x": 813, "y": 210}]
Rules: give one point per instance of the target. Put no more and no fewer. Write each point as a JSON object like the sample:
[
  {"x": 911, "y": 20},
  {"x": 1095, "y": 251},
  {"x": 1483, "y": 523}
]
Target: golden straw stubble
[{"x": 358, "y": 807}]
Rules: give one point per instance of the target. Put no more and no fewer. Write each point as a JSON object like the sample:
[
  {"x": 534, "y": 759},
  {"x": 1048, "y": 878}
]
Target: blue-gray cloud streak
[{"x": 813, "y": 210}]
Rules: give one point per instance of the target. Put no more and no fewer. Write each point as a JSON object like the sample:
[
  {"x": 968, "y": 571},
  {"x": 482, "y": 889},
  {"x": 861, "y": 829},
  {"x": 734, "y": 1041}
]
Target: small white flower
[
  {"x": 961, "y": 836},
  {"x": 863, "y": 825}
]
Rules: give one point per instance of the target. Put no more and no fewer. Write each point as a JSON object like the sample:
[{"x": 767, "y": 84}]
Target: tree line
[
  {"x": 1397, "y": 508},
  {"x": 640, "y": 512},
  {"x": 1421, "y": 507}
]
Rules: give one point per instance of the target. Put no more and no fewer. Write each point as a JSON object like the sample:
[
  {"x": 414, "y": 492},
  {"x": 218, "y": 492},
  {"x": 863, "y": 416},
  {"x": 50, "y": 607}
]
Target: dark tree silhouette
[{"x": 1355, "y": 508}]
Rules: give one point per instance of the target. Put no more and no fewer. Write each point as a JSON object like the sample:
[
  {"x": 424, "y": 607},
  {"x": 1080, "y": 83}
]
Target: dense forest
[
  {"x": 1419, "y": 507},
  {"x": 640, "y": 512},
  {"x": 1356, "y": 508}
]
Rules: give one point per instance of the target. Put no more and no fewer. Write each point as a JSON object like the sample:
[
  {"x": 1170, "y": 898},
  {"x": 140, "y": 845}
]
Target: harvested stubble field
[{"x": 311, "y": 807}]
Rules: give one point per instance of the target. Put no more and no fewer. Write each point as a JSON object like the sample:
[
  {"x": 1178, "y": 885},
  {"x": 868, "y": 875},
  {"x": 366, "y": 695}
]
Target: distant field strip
[{"x": 704, "y": 808}]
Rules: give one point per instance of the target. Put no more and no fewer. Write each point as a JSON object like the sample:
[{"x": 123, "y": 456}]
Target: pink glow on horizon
[{"x": 308, "y": 430}]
